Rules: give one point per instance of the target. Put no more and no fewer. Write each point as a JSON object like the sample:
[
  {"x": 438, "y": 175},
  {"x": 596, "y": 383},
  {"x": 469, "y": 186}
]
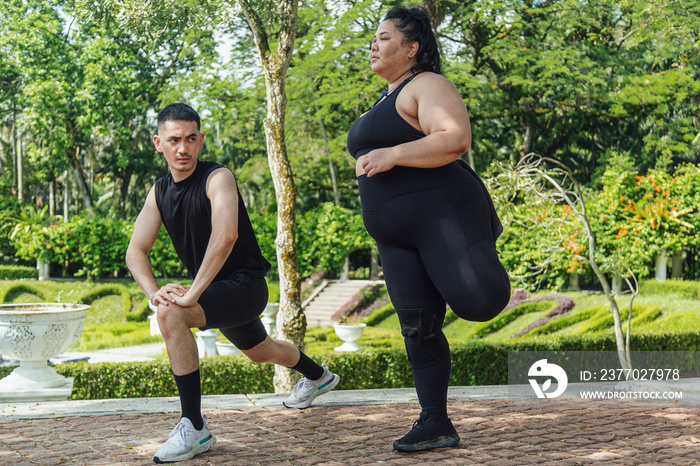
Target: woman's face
[{"x": 390, "y": 58}]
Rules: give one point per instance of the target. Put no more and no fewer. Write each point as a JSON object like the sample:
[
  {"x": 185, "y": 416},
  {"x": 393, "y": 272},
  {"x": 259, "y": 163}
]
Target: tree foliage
[{"x": 578, "y": 82}]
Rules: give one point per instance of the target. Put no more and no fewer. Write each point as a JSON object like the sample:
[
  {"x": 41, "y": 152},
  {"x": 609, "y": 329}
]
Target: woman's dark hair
[
  {"x": 414, "y": 23},
  {"x": 178, "y": 111}
]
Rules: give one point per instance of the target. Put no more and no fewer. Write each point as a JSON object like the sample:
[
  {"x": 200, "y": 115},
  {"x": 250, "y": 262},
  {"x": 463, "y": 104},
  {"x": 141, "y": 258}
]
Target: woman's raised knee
[{"x": 481, "y": 306}]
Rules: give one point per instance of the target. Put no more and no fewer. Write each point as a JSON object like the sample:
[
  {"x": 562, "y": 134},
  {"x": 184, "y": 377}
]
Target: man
[{"x": 202, "y": 210}]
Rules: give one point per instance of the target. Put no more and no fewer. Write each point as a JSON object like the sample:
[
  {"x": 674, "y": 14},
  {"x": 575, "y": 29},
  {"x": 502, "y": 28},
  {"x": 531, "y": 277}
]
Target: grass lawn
[
  {"x": 679, "y": 313},
  {"x": 107, "y": 327}
]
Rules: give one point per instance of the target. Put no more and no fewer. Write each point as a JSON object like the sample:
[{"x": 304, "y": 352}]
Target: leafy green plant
[
  {"x": 14, "y": 272},
  {"x": 476, "y": 363},
  {"x": 564, "y": 321},
  {"x": 111, "y": 289},
  {"x": 10, "y": 293},
  {"x": 689, "y": 289}
]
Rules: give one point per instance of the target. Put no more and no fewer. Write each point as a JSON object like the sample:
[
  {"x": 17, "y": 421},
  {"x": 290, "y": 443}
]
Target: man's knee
[{"x": 173, "y": 318}]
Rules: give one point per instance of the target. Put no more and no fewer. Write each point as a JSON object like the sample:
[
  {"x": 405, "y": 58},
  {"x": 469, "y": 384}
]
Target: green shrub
[
  {"x": 363, "y": 298},
  {"x": 89, "y": 246},
  {"x": 15, "y": 290},
  {"x": 155, "y": 379},
  {"x": 477, "y": 363},
  {"x": 564, "y": 321},
  {"x": 687, "y": 289},
  {"x": 679, "y": 322},
  {"x": 602, "y": 318},
  {"x": 379, "y": 315},
  {"x": 273, "y": 289},
  {"x": 164, "y": 260},
  {"x": 17, "y": 272},
  {"x": 101, "y": 291}
]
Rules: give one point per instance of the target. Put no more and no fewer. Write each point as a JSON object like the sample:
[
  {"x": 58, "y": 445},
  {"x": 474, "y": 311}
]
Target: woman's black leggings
[{"x": 433, "y": 231}]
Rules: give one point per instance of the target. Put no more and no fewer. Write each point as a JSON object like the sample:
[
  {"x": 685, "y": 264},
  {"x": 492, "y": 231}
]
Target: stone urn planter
[
  {"x": 225, "y": 348},
  {"x": 154, "y": 328},
  {"x": 269, "y": 317},
  {"x": 31, "y": 334},
  {"x": 349, "y": 333}
]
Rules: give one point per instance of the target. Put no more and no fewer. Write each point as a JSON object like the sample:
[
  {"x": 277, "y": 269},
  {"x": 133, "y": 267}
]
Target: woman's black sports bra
[{"x": 381, "y": 126}]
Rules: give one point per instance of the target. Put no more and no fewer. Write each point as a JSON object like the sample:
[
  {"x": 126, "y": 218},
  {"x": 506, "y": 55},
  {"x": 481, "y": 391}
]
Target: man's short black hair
[{"x": 178, "y": 111}]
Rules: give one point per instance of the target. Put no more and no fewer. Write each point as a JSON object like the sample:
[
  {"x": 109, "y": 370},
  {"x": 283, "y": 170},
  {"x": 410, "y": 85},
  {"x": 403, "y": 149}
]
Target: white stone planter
[
  {"x": 31, "y": 334},
  {"x": 153, "y": 320},
  {"x": 43, "y": 269},
  {"x": 269, "y": 317},
  {"x": 225, "y": 348},
  {"x": 349, "y": 333},
  {"x": 206, "y": 343}
]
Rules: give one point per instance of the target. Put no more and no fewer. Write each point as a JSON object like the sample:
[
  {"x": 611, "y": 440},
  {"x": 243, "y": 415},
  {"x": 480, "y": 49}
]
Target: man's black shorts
[{"x": 235, "y": 304}]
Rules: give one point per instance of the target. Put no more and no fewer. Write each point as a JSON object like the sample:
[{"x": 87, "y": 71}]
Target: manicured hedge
[
  {"x": 100, "y": 291},
  {"x": 15, "y": 290},
  {"x": 475, "y": 363},
  {"x": 17, "y": 272},
  {"x": 688, "y": 289},
  {"x": 506, "y": 317},
  {"x": 154, "y": 378}
]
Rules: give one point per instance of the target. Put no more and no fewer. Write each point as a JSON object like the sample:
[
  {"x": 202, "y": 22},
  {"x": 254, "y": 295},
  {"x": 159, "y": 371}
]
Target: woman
[{"x": 429, "y": 213}]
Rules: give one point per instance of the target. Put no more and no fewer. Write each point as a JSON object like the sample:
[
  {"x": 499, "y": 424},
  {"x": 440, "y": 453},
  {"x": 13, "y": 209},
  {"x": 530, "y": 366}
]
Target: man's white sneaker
[
  {"x": 184, "y": 442},
  {"x": 306, "y": 390}
]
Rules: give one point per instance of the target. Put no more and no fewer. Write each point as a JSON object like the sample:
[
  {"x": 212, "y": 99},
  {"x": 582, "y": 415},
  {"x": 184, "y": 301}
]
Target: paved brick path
[{"x": 495, "y": 432}]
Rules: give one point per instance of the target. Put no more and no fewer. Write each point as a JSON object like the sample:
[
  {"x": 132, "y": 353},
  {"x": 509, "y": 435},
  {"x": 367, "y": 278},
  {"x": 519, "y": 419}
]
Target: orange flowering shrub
[
  {"x": 639, "y": 216},
  {"x": 634, "y": 217}
]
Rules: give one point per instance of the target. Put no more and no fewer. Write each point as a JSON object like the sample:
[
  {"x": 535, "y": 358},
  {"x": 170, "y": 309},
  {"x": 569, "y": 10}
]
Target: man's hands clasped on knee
[{"x": 174, "y": 293}]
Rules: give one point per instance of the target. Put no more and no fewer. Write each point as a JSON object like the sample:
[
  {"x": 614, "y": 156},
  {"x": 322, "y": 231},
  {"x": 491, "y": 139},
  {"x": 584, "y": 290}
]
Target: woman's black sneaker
[{"x": 427, "y": 434}]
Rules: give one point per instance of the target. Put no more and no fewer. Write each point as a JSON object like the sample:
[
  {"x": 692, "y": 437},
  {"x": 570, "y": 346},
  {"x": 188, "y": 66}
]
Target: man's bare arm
[{"x": 145, "y": 233}]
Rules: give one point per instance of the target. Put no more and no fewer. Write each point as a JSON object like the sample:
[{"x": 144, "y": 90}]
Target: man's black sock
[
  {"x": 309, "y": 369},
  {"x": 190, "y": 390}
]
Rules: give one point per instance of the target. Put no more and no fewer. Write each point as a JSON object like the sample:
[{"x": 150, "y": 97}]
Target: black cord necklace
[
  {"x": 384, "y": 94},
  {"x": 387, "y": 92}
]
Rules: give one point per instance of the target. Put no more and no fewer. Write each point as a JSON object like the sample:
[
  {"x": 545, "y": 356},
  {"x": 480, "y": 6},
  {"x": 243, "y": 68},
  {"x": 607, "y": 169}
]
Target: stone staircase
[{"x": 328, "y": 298}]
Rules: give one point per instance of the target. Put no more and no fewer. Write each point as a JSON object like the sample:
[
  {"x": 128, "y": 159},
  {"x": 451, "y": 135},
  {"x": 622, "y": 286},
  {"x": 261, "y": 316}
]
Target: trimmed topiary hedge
[
  {"x": 17, "y": 272},
  {"x": 15, "y": 290},
  {"x": 101, "y": 291},
  {"x": 602, "y": 318},
  {"x": 688, "y": 289},
  {"x": 154, "y": 378},
  {"x": 506, "y": 317},
  {"x": 476, "y": 363}
]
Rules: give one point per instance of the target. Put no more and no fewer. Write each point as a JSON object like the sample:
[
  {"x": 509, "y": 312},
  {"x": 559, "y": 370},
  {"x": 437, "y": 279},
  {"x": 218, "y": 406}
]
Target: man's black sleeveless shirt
[{"x": 185, "y": 211}]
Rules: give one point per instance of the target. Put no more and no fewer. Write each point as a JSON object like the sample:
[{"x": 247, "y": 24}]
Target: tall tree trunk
[
  {"x": 336, "y": 195},
  {"x": 80, "y": 178},
  {"x": 530, "y": 136},
  {"x": 5, "y": 148},
  {"x": 52, "y": 198},
  {"x": 13, "y": 146},
  {"x": 66, "y": 196},
  {"x": 124, "y": 192},
  {"x": 291, "y": 321},
  {"x": 20, "y": 168}
]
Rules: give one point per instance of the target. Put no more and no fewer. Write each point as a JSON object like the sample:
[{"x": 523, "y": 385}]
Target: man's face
[{"x": 179, "y": 141}]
